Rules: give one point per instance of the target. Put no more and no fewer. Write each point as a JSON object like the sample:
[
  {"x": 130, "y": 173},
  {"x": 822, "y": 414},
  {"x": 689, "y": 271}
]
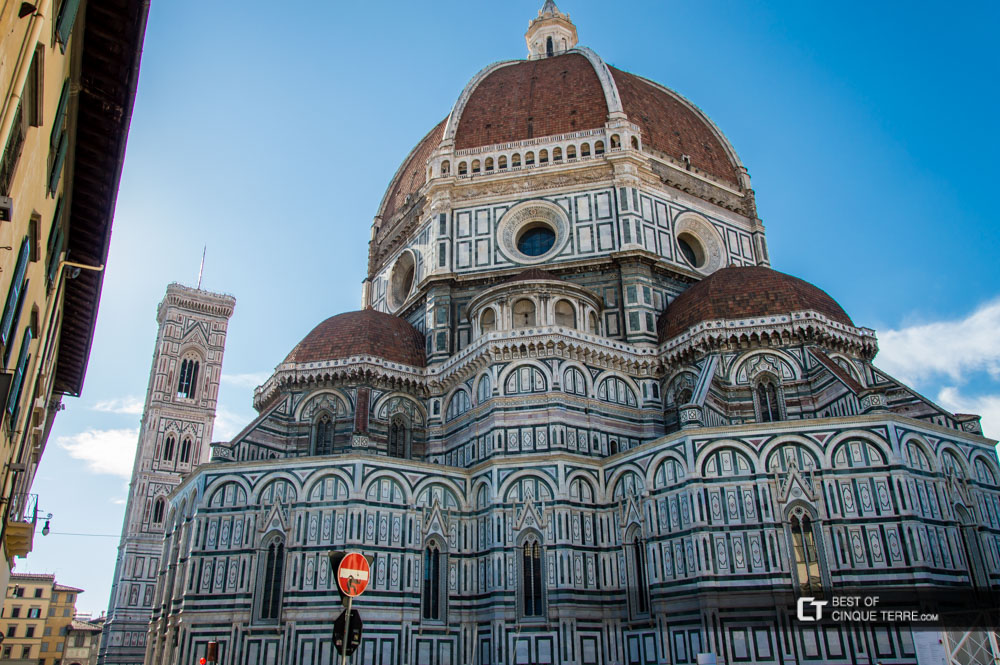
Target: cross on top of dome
[{"x": 551, "y": 33}]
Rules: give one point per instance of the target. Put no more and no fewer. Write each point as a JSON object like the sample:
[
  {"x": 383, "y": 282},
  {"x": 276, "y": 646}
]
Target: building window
[
  {"x": 272, "y": 579},
  {"x": 38, "y": 592},
  {"x": 574, "y": 382},
  {"x": 531, "y": 577},
  {"x": 433, "y": 589},
  {"x": 485, "y": 389},
  {"x": 12, "y": 630},
  {"x": 323, "y": 435},
  {"x": 459, "y": 404},
  {"x": 766, "y": 399},
  {"x": 158, "y": 505},
  {"x": 168, "y": 449},
  {"x": 186, "y": 451},
  {"x": 808, "y": 571},
  {"x": 34, "y": 612},
  {"x": 536, "y": 240},
  {"x": 188, "y": 379},
  {"x": 565, "y": 314},
  {"x": 974, "y": 560},
  {"x": 524, "y": 313},
  {"x": 399, "y": 437},
  {"x": 29, "y": 631},
  {"x": 488, "y": 321},
  {"x": 639, "y": 591}
]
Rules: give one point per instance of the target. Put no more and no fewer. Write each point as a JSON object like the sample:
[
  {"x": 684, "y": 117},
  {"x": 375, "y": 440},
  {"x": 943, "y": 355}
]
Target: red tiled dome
[
  {"x": 563, "y": 94},
  {"x": 361, "y": 333},
  {"x": 744, "y": 292}
]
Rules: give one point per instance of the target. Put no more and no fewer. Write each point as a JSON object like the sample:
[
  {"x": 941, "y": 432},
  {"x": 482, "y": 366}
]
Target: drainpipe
[{"x": 21, "y": 70}]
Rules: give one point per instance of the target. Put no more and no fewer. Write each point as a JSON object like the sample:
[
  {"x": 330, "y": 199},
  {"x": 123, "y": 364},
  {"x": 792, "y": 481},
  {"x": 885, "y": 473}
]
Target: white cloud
[
  {"x": 127, "y": 405},
  {"x": 121, "y": 501},
  {"x": 228, "y": 424},
  {"x": 949, "y": 348},
  {"x": 987, "y": 406},
  {"x": 248, "y": 380},
  {"x": 109, "y": 451}
]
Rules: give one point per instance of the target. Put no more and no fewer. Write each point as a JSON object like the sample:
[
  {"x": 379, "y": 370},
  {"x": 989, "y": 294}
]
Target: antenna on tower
[{"x": 201, "y": 270}]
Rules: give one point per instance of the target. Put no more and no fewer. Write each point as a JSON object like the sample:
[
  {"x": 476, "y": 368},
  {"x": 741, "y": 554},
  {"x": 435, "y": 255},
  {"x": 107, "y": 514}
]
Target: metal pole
[{"x": 347, "y": 631}]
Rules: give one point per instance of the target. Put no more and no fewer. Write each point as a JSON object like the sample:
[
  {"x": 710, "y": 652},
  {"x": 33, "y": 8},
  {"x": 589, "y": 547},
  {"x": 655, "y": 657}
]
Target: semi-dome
[
  {"x": 746, "y": 292},
  {"x": 366, "y": 332}
]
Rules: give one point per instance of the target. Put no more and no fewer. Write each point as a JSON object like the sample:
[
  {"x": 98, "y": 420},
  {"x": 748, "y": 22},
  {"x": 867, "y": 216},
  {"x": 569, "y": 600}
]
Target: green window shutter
[
  {"x": 14, "y": 293},
  {"x": 67, "y": 17},
  {"x": 56, "y": 240},
  {"x": 17, "y": 319},
  {"x": 18, "y": 382},
  {"x": 60, "y": 117},
  {"x": 57, "y": 164}
]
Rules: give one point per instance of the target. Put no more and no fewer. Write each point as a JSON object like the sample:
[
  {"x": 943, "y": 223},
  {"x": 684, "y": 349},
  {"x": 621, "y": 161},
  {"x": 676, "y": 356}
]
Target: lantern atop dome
[{"x": 551, "y": 33}]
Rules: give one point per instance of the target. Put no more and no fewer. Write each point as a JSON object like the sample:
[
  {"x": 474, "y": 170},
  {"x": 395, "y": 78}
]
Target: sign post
[{"x": 353, "y": 573}]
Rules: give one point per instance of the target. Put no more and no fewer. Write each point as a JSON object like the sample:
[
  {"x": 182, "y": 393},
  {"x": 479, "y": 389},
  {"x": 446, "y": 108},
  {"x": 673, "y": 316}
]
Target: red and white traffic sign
[{"x": 353, "y": 573}]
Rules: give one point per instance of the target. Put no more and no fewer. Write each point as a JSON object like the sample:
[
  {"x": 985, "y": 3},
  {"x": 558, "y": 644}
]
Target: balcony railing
[{"x": 22, "y": 516}]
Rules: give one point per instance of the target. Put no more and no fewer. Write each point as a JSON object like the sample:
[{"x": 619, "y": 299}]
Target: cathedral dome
[
  {"x": 366, "y": 332},
  {"x": 744, "y": 292}
]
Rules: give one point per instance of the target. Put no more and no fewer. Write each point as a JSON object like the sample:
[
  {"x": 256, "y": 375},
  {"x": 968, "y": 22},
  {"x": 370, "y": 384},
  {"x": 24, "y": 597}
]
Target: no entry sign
[{"x": 352, "y": 574}]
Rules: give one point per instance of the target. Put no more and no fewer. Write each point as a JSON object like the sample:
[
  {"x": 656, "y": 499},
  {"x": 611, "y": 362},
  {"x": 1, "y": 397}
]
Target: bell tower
[
  {"x": 551, "y": 33},
  {"x": 174, "y": 437}
]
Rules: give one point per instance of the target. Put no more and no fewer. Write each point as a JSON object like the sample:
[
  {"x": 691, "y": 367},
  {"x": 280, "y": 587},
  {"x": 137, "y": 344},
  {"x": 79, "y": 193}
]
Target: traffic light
[{"x": 353, "y": 632}]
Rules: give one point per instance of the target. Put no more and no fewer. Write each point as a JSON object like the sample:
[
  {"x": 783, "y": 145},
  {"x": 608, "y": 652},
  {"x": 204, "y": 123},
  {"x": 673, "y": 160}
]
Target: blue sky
[{"x": 270, "y": 134}]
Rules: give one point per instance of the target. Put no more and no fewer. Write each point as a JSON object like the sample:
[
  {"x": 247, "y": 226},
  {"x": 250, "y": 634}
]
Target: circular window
[
  {"x": 536, "y": 240},
  {"x": 401, "y": 280},
  {"x": 691, "y": 250},
  {"x": 533, "y": 232}
]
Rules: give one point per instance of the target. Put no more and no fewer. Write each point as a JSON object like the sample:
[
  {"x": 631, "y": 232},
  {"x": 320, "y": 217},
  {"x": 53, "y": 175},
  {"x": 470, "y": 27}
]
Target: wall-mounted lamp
[{"x": 45, "y": 528}]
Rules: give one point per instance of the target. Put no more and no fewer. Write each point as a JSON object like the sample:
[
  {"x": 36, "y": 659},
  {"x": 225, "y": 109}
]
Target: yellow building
[
  {"x": 68, "y": 72},
  {"x": 37, "y": 619}
]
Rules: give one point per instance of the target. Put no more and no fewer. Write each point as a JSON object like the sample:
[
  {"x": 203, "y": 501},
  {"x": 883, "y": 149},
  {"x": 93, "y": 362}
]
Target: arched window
[
  {"x": 475, "y": 166},
  {"x": 635, "y": 143},
  {"x": 532, "y": 584},
  {"x": 599, "y": 148},
  {"x": 272, "y": 578},
  {"x": 445, "y": 167},
  {"x": 638, "y": 591},
  {"x": 556, "y": 154},
  {"x": 592, "y": 324},
  {"x": 399, "y": 437},
  {"x": 565, "y": 314},
  {"x": 543, "y": 156},
  {"x": 434, "y": 590},
  {"x": 973, "y": 552},
  {"x": 489, "y": 164},
  {"x": 525, "y": 379},
  {"x": 585, "y": 150},
  {"x": 158, "y": 506},
  {"x": 186, "y": 450},
  {"x": 574, "y": 382},
  {"x": 463, "y": 168},
  {"x": 488, "y": 320},
  {"x": 808, "y": 573},
  {"x": 529, "y": 158},
  {"x": 616, "y": 141},
  {"x": 524, "y": 313},
  {"x": 502, "y": 162},
  {"x": 485, "y": 389},
  {"x": 168, "y": 449},
  {"x": 766, "y": 400},
  {"x": 615, "y": 390},
  {"x": 459, "y": 404},
  {"x": 549, "y": 48},
  {"x": 188, "y": 379},
  {"x": 515, "y": 160},
  {"x": 323, "y": 435},
  {"x": 571, "y": 152}
]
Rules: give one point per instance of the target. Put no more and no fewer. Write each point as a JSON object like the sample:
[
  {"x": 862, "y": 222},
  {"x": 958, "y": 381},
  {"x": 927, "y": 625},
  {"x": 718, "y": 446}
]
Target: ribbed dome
[
  {"x": 745, "y": 292},
  {"x": 361, "y": 333}
]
